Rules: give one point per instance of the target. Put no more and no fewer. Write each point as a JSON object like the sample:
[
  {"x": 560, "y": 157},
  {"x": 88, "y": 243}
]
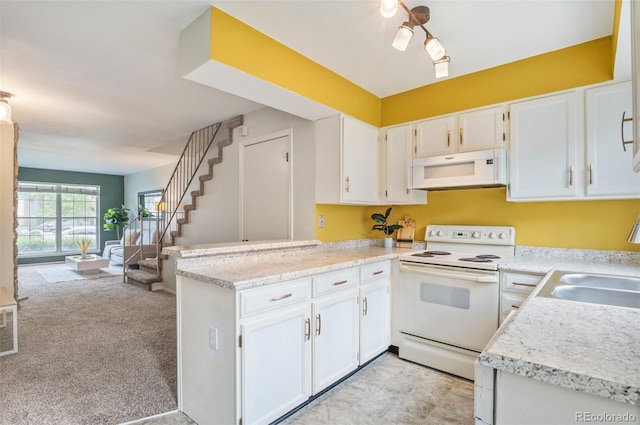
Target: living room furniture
[
  {"x": 89, "y": 264},
  {"x": 132, "y": 247},
  {"x": 8, "y": 304}
]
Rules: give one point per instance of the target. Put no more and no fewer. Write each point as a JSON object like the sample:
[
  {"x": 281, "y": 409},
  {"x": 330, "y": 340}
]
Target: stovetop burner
[
  {"x": 476, "y": 260},
  {"x": 488, "y": 256},
  {"x": 422, "y": 254},
  {"x": 437, "y": 252}
]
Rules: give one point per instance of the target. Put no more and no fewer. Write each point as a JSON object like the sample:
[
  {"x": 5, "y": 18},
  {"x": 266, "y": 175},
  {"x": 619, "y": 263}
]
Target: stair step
[
  {"x": 174, "y": 234},
  {"x": 214, "y": 161},
  {"x": 196, "y": 193},
  {"x": 206, "y": 177},
  {"x": 189, "y": 207},
  {"x": 142, "y": 277},
  {"x": 150, "y": 263},
  {"x": 182, "y": 221}
]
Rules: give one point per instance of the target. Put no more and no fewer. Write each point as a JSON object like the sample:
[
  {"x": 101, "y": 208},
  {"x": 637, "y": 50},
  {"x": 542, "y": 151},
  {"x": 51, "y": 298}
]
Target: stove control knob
[
  {"x": 440, "y": 233},
  {"x": 475, "y": 235},
  {"x": 492, "y": 235},
  {"x": 502, "y": 235},
  {"x": 432, "y": 232}
]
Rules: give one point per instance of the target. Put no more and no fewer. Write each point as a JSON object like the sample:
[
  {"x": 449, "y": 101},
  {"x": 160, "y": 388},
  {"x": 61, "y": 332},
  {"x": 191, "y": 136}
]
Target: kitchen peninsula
[{"x": 258, "y": 312}]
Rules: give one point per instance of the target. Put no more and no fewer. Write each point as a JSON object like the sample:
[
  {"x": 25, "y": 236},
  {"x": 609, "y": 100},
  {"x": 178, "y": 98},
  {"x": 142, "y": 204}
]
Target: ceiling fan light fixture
[
  {"x": 435, "y": 49},
  {"x": 388, "y": 8},
  {"x": 5, "y": 108},
  {"x": 403, "y": 36},
  {"x": 442, "y": 67}
]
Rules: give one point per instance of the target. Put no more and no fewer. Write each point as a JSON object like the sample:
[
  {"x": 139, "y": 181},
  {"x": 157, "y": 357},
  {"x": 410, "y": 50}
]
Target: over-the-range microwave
[{"x": 485, "y": 168}]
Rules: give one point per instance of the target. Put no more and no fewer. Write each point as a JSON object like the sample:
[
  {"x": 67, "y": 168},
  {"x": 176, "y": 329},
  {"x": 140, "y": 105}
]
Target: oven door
[{"x": 450, "y": 305}]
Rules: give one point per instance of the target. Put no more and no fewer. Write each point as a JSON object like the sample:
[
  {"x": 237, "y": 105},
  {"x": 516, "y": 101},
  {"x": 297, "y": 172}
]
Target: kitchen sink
[
  {"x": 621, "y": 291},
  {"x": 602, "y": 281},
  {"x": 597, "y": 295}
]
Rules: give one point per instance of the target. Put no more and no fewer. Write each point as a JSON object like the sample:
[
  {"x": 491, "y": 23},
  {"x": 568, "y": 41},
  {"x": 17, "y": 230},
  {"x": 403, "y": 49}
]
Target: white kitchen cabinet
[
  {"x": 397, "y": 143},
  {"x": 542, "y": 154},
  {"x": 635, "y": 77},
  {"x": 436, "y": 136},
  {"x": 515, "y": 287},
  {"x": 375, "y": 310},
  {"x": 609, "y": 172},
  {"x": 462, "y": 132},
  {"x": 347, "y": 162},
  {"x": 276, "y": 348},
  {"x": 335, "y": 337}
]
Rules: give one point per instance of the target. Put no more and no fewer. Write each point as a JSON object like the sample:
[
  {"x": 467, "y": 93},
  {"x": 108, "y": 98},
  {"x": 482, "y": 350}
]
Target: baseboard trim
[{"x": 159, "y": 415}]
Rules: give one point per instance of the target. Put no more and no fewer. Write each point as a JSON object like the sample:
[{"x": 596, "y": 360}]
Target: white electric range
[{"x": 448, "y": 295}]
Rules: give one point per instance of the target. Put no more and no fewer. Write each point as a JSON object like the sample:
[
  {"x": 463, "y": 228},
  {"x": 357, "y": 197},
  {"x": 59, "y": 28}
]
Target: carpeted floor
[{"x": 92, "y": 351}]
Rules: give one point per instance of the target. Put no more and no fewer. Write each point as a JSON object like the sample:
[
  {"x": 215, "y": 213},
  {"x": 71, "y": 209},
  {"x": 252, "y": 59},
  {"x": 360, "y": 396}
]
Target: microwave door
[{"x": 470, "y": 169}]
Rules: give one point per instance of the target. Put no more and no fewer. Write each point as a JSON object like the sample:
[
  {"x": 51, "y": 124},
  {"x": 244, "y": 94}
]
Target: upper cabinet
[
  {"x": 543, "y": 148},
  {"x": 463, "y": 132},
  {"x": 396, "y": 158},
  {"x": 635, "y": 75},
  {"x": 561, "y": 151},
  {"x": 608, "y": 160},
  {"x": 347, "y": 162}
]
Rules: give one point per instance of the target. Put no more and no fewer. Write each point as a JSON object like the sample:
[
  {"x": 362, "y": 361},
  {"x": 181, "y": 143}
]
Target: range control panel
[{"x": 486, "y": 235}]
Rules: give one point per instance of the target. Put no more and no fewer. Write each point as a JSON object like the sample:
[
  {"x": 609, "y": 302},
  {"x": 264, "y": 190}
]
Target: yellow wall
[
  {"x": 579, "y": 224},
  {"x": 238, "y": 45}
]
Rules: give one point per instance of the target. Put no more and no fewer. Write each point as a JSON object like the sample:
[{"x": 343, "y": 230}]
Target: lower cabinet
[
  {"x": 276, "y": 365},
  {"x": 515, "y": 287},
  {"x": 251, "y": 356}
]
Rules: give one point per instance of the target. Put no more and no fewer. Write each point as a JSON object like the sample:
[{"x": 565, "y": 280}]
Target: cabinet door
[
  {"x": 276, "y": 364},
  {"x": 397, "y": 153},
  {"x": 359, "y": 162},
  {"x": 482, "y": 129},
  {"x": 543, "y": 148},
  {"x": 335, "y": 342},
  {"x": 437, "y": 136},
  {"x": 609, "y": 166},
  {"x": 374, "y": 319},
  {"x": 635, "y": 78}
]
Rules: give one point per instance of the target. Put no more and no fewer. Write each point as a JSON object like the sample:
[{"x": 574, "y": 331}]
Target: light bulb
[
  {"x": 434, "y": 48},
  {"x": 403, "y": 36},
  {"x": 388, "y": 8},
  {"x": 5, "y": 112},
  {"x": 442, "y": 67}
]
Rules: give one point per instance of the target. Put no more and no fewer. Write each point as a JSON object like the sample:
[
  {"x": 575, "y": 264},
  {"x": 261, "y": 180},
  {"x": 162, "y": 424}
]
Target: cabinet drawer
[
  {"x": 375, "y": 271},
  {"x": 520, "y": 282},
  {"x": 256, "y": 301},
  {"x": 335, "y": 281},
  {"x": 510, "y": 302}
]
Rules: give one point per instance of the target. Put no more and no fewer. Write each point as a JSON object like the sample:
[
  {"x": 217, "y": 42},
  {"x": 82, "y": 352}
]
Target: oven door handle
[{"x": 453, "y": 275}]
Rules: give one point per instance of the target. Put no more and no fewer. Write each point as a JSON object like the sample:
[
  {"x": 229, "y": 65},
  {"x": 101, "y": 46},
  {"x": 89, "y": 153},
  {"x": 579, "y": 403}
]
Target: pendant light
[{"x": 418, "y": 16}]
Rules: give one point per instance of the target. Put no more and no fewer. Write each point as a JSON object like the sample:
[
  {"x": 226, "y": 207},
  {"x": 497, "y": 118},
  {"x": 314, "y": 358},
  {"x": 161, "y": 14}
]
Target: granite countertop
[
  {"x": 253, "y": 271},
  {"x": 586, "y": 347}
]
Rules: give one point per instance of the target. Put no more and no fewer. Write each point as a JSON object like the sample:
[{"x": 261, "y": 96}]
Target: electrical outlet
[
  {"x": 213, "y": 337},
  {"x": 321, "y": 221}
]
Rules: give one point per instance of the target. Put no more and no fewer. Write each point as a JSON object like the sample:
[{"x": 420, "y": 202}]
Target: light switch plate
[{"x": 213, "y": 337}]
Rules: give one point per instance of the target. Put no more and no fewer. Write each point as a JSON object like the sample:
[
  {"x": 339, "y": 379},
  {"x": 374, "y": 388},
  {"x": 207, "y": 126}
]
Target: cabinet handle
[
  {"x": 624, "y": 142},
  {"x": 461, "y": 132},
  {"x": 342, "y": 282},
  {"x": 407, "y": 191},
  {"x": 346, "y": 186},
  {"x": 448, "y": 138},
  {"x": 307, "y": 329},
  {"x": 281, "y": 297},
  {"x": 318, "y": 325},
  {"x": 528, "y": 285},
  {"x": 378, "y": 272},
  {"x": 590, "y": 174},
  {"x": 365, "y": 306},
  {"x": 571, "y": 175},
  {"x": 515, "y": 306}
]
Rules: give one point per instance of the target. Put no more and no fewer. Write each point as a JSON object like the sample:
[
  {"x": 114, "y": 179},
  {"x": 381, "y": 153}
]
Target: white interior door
[{"x": 266, "y": 194}]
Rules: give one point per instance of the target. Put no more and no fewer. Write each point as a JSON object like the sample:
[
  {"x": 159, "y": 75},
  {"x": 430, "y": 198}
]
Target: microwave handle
[{"x": 453, "y": 275}]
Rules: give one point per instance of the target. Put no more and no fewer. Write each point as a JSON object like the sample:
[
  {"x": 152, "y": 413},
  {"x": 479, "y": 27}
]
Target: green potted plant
[
  {"x": 115, "y": 218},
  {"x": 382, "y": 225}
]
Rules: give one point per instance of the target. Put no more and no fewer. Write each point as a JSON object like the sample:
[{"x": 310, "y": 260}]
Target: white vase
[{"x": 388, "y": 242}]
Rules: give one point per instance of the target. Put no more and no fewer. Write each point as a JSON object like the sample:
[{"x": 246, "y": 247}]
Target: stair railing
[{"x": 183, "y": 174}]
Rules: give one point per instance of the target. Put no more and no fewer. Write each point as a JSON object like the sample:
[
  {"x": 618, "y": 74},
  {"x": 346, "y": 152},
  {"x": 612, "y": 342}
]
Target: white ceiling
[{"x": 97, "y": 86}]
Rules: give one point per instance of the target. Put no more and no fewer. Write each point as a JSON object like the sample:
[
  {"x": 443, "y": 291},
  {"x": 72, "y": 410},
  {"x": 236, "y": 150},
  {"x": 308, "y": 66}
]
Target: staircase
[{"x": 170, "y": 221}]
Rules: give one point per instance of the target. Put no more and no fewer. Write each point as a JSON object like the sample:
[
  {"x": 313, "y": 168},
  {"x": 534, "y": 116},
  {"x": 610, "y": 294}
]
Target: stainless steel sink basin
[
  {"x": 621, "y": 291},
  {"x": 602, "y": 281},
  {"x": 587, "y": 294}
]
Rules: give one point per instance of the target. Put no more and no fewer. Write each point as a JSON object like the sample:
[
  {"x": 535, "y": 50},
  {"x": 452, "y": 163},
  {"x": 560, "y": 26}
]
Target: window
[
  {"x": 52, "y": 217},
  {"x": 148, "y": 202}
]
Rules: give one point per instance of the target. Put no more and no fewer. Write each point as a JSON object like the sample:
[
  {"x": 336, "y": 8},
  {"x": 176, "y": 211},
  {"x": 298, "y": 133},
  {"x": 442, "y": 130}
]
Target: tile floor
[{"x": 388, "y": 391}]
